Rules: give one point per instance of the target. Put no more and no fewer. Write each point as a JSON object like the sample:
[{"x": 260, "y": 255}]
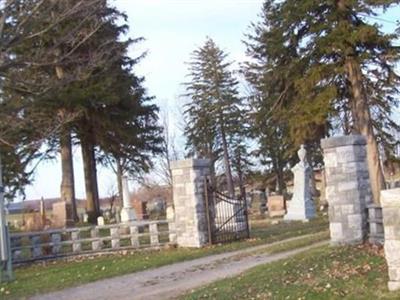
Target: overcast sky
[{"x": 172, "y": 29}]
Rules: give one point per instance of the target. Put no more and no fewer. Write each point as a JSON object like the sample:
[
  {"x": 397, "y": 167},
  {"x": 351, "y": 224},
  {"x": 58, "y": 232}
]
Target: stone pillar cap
[
  {"x": 344, "y": 140},
  {"x": 390, "y": 198},
  {"x": 190, "y": 163}
]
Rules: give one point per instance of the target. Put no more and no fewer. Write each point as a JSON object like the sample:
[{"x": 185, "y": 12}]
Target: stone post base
[
  {"x": 128, "y": 214},
  {"x": 296, "y": 213}
]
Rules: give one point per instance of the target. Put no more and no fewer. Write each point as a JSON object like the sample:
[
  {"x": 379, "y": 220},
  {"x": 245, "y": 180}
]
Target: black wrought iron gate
[{"x": 227, "y": 218}]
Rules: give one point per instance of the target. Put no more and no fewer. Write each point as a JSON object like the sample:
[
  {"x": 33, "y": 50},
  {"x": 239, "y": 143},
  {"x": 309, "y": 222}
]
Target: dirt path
[{"x": 172, "y": 280}]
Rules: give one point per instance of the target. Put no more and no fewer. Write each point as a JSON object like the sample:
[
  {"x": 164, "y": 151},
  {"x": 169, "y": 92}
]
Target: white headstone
[
  {"x": 301, "y": 206},
  {"x": 100, "y": 221},
  {"x": 85, "y": 218},
  {"x": 127, "y": 212}
]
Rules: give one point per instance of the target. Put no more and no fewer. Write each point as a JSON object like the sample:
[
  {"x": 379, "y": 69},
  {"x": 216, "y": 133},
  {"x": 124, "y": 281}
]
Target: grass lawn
[
  {"x": 55, "y": 275},
  {"x": 322, "y": 273}
]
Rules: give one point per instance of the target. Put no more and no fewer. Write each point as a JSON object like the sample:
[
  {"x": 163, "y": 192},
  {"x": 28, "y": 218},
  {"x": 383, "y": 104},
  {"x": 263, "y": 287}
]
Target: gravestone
[
  {"x": 188, "y": 185},
  {"x": 348, "y": 190},
  {"x": 85, "y": 218},
  {"x": 127, "y": 211},
  {"x": 301, "y": 206},
  {"x": 276, "y": 206},
  {"x": 100, "y": 221}
]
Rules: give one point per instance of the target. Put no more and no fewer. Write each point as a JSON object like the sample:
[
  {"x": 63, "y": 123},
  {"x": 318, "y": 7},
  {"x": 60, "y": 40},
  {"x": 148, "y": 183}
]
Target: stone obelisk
[
  {"x": 301, "y": 207},
  {"x": 127, "y": 212}
]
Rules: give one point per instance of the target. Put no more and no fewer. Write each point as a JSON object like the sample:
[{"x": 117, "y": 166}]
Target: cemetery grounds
[
  {"x": 48, "y": 276},
  {"x": 324, "y": 272}
]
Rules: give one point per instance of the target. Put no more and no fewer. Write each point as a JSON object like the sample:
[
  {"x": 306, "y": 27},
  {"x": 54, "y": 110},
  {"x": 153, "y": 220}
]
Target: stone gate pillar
[
  {"x": 390, "y": 201},
  {"x": 348, "y": 188},
  {"x": 188, "y": 192}
]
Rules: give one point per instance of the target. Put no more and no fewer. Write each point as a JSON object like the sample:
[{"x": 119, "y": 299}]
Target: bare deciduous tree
[{"x": 169, "y": 150}]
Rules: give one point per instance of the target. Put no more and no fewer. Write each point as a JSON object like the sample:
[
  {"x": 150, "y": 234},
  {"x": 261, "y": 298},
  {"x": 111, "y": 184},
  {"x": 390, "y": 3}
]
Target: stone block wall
[
  {"x": 375, "y": 224},
  {"x": 390, "y": 201},
  {"x": 188, "y": 188},
  {"x": 348, "y": 190}
]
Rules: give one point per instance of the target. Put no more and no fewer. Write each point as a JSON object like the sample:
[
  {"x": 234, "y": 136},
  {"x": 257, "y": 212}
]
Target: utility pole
[{"x": 5, "y": 253}]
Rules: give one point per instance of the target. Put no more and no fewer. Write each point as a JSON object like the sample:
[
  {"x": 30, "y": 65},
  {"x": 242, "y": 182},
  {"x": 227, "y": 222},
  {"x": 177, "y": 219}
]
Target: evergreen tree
[
  {"x": 241, "y": 164},
  {"x": 335, "y": 65},
  {"x": 116, "y": 124},
  {"x": 213, "y": 115},
  {"x": 38, "y": 58},
  {"x": 72, "y": 98},
  {"x": 93, "y": 96}
]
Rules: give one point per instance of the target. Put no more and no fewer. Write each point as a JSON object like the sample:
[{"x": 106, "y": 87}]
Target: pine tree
[
  {"x": 127, "y": 131},
  {"x": 116, "y": 124},
  {"x": 94, "y": 96},
  {"x": 241, "y": 164},
  {"x": 270, "y": 71},
  {"x": 213, "y": 115},
  {"x": 338, "y": 67},
  {"x": 38, "y": 59},
  {"x": 75, "y": 96}
]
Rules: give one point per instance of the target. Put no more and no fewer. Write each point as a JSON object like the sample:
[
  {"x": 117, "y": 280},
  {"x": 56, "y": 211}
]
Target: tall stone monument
[
  {"x": 348, "y": 188},
  {"x": 127, "y": 211},
  {"x": 301, "y": 206}
]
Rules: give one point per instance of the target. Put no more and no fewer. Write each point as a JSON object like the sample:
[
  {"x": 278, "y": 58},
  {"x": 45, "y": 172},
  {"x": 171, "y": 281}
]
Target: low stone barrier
[{"x": 31, "y": 246}]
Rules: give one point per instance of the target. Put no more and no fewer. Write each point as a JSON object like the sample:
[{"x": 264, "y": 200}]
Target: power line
[{"x": 380, "y": 19}]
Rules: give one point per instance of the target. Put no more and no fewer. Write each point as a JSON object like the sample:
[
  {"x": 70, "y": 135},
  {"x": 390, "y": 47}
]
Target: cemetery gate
[{"x": 227, "y": 218}]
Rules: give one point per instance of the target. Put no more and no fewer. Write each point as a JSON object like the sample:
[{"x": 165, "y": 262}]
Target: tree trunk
[
  {"x": 213, "y": 177},
  {"x": 89, "y": 166},
  {"x": 228, "y": 172},
  {"x": 240, "y": 176},
  {"x": 279, "y": 176},
  {"x": 363, "y": 125},
  {"x": 67, "y": 170},
  {"x": 94, "y": 179}
]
